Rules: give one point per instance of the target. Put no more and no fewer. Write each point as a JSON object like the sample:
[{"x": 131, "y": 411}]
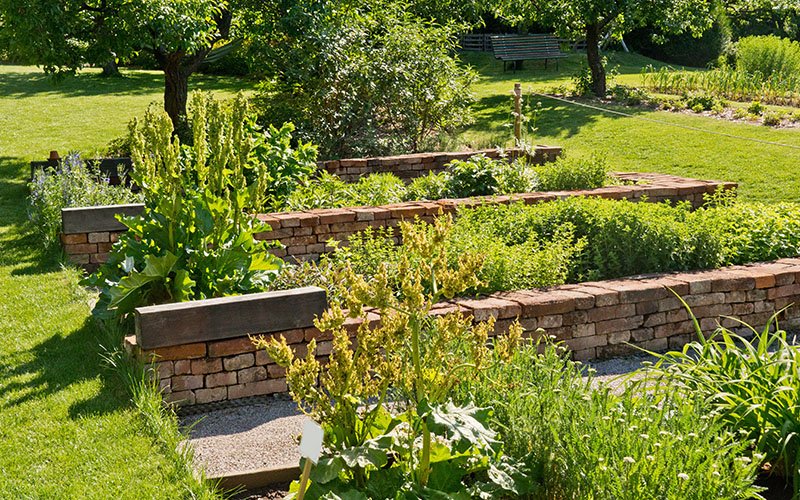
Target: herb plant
[{"x": 74, "y": 183}]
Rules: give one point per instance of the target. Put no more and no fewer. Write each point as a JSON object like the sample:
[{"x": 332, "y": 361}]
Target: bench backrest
[{"x": 514, "y": 46}]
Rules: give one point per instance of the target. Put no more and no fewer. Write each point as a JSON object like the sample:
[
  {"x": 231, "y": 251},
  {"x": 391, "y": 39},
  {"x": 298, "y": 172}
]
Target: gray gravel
[{"x": 247, "y": 437}]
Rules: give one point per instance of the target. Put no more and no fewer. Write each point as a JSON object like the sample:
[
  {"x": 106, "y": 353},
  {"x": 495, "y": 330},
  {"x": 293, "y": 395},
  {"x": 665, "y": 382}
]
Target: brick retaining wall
[
  {"x": 89, "y": 232},
  {"x": 596, "y": 320},
  {"x": 408, "y": 167}
]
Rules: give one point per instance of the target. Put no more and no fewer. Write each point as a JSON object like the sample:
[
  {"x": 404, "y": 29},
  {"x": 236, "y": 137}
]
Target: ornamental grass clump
[
  {"x": 585, "y": 441},
  {"x": 384, "y": 397},
  {"x": 753, "y": 385}
]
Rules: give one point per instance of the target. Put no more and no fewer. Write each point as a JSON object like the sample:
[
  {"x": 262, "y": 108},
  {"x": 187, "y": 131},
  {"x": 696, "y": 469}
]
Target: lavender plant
[{"x": 73, "y": 183}]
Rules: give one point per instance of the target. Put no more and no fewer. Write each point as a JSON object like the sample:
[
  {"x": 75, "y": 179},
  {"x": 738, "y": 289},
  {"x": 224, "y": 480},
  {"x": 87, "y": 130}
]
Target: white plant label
[{"x": 311, "y": 441}]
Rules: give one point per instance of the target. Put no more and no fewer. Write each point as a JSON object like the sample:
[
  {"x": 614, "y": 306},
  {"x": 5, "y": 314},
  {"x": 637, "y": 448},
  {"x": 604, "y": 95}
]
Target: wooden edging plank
[{"x": 228, "y": 317}]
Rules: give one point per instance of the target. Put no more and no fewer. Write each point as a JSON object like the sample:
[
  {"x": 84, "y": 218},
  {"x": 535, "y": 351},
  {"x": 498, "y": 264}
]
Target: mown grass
[
  {"x": 765, "y": 172},
  {"x": 68, "y": 428}
]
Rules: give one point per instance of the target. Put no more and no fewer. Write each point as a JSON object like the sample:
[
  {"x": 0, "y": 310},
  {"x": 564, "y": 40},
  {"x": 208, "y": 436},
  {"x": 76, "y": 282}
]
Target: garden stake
[{"x": 518, "y": 112}]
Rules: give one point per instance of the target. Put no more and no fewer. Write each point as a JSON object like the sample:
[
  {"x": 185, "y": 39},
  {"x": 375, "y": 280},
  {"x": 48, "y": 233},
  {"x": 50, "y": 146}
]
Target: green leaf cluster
[{"x": 197, "y": 236}]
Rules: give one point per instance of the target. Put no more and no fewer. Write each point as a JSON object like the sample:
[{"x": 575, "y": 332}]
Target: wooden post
[
  {"x": 517, "y": 112},
  {"x": 304, "y": 480}
]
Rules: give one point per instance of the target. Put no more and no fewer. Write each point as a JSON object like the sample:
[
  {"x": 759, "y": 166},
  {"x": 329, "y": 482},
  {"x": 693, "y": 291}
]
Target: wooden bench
[{"x": 518, "y": 48}]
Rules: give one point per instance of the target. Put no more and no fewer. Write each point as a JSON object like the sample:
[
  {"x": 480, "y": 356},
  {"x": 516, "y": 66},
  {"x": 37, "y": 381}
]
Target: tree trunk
[
  {"x": 595, "y": 61},
  {"x": 110, "y": 69},
  {"x": 176, "y": 92}
]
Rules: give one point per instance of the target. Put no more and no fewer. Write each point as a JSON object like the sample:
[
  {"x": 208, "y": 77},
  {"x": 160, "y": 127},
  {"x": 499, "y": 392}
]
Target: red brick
[
  {"x": 79, "y": 259},
  {"x": 483, "y": 309},
  {"x": 253, "y": 374},
  {"x": 165, "y": 369},
  {"x": 579, "y": 344},
  {"x": 185, "y": 351},
  {"x": 104, "y": 237},
  {"x": 783, "y": 291},
  {"x": 619, "y": 324},
  {"x": 238, "y": 362},
  {"x": 231, "y": 346},
  {"x": 655, "y": 319},
  {"x": 648, "y": 307},
  {"x": 181, "y": 398},
  {"x": 81, "y": 248},
  {"x": 619, "y": 337},
  {"x": 183, "y": 367},
  {"x": 74, "y": 239},
  {"x": 616, "y": 351},
  {"x": 334, "y": 215},
  {"x": 204, "y": 366},
  {"x": 262, "y": 358},
  {"x": 729, "y": 280},
  {"x": 211, "y": 395},
  {"x": 98, "y": 258},
  {"x": 583, "y": 330},
  {"x": 584, "y": 354},
  {"x": 575, "y": 318},
  {"x": 220, "y": 379},
  {"x": 712, "y": 311},
  {"x": 679, "y": 341},
  {"x": 642, "y": 334},
  {"x": 704, "y": 299},
  {"x": 670, "y": 329},
  {"x": 271, "y": 386},
  {"x": 550, "y": 321},
  {"x": 655, "y": 345},
  {"x": 313, "y": 333},
  {"x": 187, "y": 382},
  {"x": 275, "y": 371},
  {"x": 542, "y": 303},
  {"x": 631, "y": 291},
  {"x": 611, "y": 312},
  {"x": 602, "y": 296}
]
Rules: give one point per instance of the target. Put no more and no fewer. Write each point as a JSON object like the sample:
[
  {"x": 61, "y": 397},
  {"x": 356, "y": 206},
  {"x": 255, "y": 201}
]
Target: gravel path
[
  {"x": 262, "y": 434},
  {"x": 243, "y": 438}
]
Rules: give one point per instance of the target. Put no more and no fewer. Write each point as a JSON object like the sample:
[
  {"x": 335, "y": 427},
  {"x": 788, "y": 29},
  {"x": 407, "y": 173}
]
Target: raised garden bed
[
  {"x": 88, "y": 233},
  {"x": 596, "y": 320}
]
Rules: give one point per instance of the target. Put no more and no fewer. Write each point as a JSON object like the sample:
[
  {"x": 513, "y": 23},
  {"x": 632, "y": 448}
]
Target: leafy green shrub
[
  {"x": 768, "y": 55},
  {"x": 196, "y": 237},
  {"x": 753, "y": 385},
  {"x": 367, "y": 80},
  {"x": 699, "y": 101},
  {"x": 72, "y": 184},
  {"x": 773, "y": 118},
  {"x": 588, "y": 443},
  {"x": 472, "y": 177},
  {"x": 756, "y": 108},
  {"x": 568, "y": 173},
  {"x": 434, "y": 186},
  {"x": 329, "y": 191},
  {"x": 630, "y": 96}
]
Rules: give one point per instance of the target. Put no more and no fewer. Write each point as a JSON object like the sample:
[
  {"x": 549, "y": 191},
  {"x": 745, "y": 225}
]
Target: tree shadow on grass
[
  {"x": 21, "y": 84},
  {"x": 58, "y": 363},
  {"x": 557, "y": 118}
]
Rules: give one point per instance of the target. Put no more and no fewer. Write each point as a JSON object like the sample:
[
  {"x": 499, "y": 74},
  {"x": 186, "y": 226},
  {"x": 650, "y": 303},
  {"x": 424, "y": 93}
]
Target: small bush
[
  {"x": 434, "y": 186},
  {"x": 742, "y": 114},
  {"x": 699, "y": 102},
  {"x": 773, "y": 118},
  {"x": 756, "y": 108},
  {"x": 329, "y": 191},
  {"x": 568, "y": 173},
  {"x": 768, "y": 55},
  {"x": 72, "y": 184}
]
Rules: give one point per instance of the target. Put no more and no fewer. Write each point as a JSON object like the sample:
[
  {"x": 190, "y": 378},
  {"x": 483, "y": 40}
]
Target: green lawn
[
  {"x": 764, "y": 172},
  {"x": 67, "y": 427}
]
